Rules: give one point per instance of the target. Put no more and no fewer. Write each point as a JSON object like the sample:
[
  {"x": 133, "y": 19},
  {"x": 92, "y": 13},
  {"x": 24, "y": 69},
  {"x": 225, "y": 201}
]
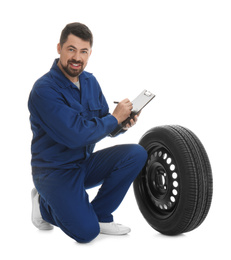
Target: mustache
[{"x": 76, "y": 62}]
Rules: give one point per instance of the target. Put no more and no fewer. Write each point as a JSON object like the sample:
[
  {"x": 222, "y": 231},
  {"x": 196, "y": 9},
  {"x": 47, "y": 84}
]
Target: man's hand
[
  {"x": 123, "y": 110},
  {"x": 132, "y": 122}
]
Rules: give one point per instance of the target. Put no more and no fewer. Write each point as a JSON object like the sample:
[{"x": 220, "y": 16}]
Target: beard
[{"x": 70, "y": 71}]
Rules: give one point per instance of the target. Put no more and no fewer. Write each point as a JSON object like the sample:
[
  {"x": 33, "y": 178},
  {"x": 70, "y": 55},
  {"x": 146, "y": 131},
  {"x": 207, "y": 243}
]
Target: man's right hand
[{"x": 122, "y": 110}]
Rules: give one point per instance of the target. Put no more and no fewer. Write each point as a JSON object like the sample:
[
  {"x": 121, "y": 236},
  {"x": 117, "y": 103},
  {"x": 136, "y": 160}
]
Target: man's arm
[{"x": 66, "y": 125}]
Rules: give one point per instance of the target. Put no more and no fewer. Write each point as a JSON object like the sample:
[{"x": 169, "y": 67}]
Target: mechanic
[{"x": 69, "y": 115}]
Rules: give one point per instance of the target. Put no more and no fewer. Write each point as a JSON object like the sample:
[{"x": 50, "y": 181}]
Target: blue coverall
[{"x": 66, "y": 123}]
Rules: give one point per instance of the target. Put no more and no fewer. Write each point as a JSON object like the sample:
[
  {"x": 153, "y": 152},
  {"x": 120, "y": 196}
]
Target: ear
[{"x": 58, "y": 48}]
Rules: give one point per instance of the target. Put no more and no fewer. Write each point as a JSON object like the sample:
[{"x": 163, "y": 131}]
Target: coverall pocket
[
  {"x": 94, "y": 108},
  {"x": 78, "y": 107}
]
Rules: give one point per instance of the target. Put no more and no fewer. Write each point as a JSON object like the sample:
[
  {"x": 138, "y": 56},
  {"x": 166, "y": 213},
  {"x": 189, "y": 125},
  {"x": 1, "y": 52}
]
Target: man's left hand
[{"x": 132, "y": 122}]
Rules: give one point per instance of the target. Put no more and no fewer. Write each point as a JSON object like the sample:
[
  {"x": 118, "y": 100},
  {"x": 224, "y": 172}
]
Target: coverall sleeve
[{"x": 67, "y": 125}]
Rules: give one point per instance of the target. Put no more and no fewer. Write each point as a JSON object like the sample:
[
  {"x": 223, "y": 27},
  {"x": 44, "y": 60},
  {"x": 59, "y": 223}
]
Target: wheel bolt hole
[
  {"x": 175, "y": 184},
  {"x": 174, "y": 175},
  {"x": 172, "y": 167},
  {"x": 169, "y": 160},
  {"x": 165, "y": 156},
  {"x": 174, "y": 192}
]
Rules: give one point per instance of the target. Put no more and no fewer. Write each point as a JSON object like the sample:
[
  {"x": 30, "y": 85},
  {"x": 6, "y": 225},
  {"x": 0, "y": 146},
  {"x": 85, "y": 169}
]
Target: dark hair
[{"x": 78, "y": 29}]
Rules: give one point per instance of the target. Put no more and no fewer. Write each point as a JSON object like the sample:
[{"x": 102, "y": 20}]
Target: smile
[{"x": 75, "y": 65}]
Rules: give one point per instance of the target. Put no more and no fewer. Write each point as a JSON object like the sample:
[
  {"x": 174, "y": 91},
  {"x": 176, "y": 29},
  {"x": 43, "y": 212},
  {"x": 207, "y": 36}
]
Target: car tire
[{"x": 174, "y": 189}]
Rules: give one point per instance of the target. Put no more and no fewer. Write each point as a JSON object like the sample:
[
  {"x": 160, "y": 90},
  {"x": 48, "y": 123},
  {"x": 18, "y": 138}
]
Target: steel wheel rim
[{"x": 161, "y": 180}]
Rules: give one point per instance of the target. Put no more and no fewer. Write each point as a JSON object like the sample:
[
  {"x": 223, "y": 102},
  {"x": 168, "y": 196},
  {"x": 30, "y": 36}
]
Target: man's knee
[
  {"x": 82, "y": 230},
  {"x": 139, "y": 154},
  {"x": 87, "y": 233}
]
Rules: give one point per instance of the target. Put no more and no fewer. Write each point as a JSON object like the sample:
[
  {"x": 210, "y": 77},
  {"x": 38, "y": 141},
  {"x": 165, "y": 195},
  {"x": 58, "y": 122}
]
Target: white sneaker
[
  {"x": 113, "y": 229},
  {"x": 36, "y": 216}
]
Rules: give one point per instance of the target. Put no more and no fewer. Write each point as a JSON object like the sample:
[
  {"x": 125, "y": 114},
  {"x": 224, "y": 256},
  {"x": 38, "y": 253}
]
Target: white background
[{"x": 179, "y": 50}]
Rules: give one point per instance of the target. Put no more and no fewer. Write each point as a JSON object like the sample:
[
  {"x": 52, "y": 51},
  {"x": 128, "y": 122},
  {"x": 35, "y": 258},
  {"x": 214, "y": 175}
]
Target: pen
[{"x": 116, "y": 102}]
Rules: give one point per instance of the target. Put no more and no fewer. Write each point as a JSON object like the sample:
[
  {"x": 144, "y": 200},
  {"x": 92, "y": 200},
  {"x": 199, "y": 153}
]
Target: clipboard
[{"x": 138, "y": 104}]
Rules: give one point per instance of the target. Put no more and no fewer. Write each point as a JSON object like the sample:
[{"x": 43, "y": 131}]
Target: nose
[{"x": 77, "y": 56}]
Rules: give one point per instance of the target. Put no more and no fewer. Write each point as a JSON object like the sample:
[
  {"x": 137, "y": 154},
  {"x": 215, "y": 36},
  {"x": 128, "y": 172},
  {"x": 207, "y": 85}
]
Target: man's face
[{"x": 74, "y": 55}]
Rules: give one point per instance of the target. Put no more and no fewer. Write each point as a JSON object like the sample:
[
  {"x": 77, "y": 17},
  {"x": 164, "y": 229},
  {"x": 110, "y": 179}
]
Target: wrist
[{"x": 116, "y": 118}]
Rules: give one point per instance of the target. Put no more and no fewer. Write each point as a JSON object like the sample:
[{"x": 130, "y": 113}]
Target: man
[{"x": 68, "y": 115}]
